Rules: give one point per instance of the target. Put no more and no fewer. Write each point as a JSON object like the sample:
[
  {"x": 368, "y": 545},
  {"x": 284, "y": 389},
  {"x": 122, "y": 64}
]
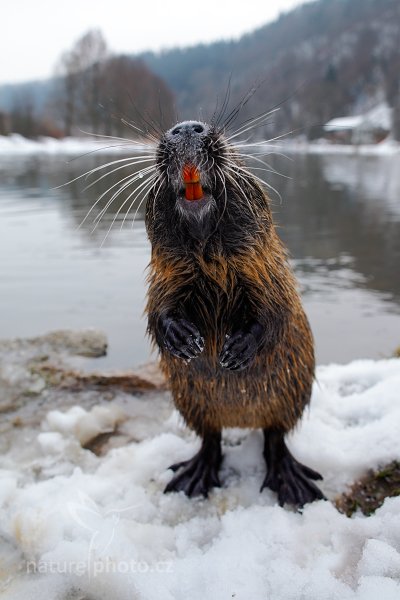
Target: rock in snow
[{"x": 80, "y": 525}]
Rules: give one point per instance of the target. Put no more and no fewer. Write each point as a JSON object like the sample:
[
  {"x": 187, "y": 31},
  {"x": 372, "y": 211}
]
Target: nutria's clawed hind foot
[
  {"x": 199, "y": 474},
  {"x": 286, "y": 476}
]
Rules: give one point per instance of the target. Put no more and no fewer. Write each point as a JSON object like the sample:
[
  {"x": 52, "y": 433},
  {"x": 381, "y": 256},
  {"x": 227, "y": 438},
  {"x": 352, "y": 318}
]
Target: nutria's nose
[{"x": 188, "y": 127}]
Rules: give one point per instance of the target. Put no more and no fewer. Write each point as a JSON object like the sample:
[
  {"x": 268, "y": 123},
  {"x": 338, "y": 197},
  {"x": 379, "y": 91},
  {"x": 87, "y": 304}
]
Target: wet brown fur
[{"x": 212, "y": 288}]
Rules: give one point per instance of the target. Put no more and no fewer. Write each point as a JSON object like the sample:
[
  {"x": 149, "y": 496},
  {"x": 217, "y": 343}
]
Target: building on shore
[{"x": 371, "y": 127}]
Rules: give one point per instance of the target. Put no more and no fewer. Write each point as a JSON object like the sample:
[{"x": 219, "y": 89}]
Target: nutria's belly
[{"x": 269, "y": 394}]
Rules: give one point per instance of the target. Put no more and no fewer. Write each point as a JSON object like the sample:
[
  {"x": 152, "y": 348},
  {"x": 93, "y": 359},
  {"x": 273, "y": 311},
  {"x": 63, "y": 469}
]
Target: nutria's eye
[
  {"x": 198, "y": 128},
  {"x": 176, "y": 131}
]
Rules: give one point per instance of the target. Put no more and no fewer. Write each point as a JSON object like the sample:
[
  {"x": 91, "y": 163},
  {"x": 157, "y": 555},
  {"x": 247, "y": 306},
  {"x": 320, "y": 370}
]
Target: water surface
[{"x": 339, "y": 216}]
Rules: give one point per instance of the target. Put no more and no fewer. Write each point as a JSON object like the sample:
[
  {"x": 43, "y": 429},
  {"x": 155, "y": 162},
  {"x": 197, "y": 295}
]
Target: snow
[
  {"x": 16, "y": 144},
  {"x": 386, "y": 148},
  {"x": 77, "y": 525},
  {"x": 343, "y": 123},
  {"x": 81, "y": 424},
  {"x": 380, "y": 116}
]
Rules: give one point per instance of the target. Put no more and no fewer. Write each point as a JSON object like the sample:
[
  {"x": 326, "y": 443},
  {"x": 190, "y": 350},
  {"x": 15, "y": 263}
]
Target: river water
[{"x": 338, "y": 214}]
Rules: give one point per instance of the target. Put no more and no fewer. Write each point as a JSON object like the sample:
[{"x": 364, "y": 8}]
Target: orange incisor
[{"x": 191, "y": 179}]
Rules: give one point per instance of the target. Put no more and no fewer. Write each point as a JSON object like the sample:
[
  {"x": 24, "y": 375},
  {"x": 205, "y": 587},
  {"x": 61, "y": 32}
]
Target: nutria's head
[
  {"x": 202, "y": 186},
  {"x": 189, "y": 156}
]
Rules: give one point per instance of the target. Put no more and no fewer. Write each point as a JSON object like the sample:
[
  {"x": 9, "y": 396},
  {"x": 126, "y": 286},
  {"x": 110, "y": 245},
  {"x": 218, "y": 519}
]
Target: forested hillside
[{"x": 324, "y": 59}]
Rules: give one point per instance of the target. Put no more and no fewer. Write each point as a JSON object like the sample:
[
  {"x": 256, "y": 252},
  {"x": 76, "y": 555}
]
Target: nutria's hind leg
[
  {"x": 198, "y": 475},
  {"x": 285, "y": 475}
]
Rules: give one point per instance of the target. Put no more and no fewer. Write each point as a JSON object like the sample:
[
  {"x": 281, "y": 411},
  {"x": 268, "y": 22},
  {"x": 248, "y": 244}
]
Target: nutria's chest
[{"x": 214, "y": 298}]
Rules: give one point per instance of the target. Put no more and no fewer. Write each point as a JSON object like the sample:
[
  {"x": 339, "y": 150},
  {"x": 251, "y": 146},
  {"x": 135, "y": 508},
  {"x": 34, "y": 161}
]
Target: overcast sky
[{"x": 35, "y": 32}]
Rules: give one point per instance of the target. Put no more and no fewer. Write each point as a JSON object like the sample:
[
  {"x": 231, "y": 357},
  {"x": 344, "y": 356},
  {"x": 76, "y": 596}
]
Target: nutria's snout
[
  {"x": 185, "y": 159},
  {"x": 187, "y": 128}
]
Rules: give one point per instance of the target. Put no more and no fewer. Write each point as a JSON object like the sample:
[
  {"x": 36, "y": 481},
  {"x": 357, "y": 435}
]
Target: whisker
[
  {"x": 250, "y": 122},
  {"x": 149, "y": 135},
  {"x": 260, "y": 144},
  {"x": 270, "y": 171},
  {"x": 225, "y": 196},
  {"x": 145, "y": 183},
  {"x": 149, "y": 120},
  {"x": 271, "y": 152},
  {"x": 124, "y": 118},
  {"x": 254, "y": 176},
  {"x": 249, "y": 128},
  {"x": 91, "y": 171},
  {"x": 276, "y": 106},
  {"x": 225, "y": 103},
  {"x": 234, "y": 113},
  {"x": 114, "y": 137},
  {"x": 161, "y": 180},
  {"x": 132, "y": 180},
  {"x": 138, "y": 192},
  {"x": 279, "y": 137},
  {"x": 125, "y": 145},
  {"x": 233, "y": 168},
  {"x": 99, "y": 217},
  {"x": 117, "y": 169},
  {"x": 269, "y": 168},
  {"x": 104, "y": 194},
  {"x": 145, "y": 192}
]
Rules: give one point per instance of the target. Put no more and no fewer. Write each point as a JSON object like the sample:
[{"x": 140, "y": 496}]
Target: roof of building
[
  {"x": 343, "y": 123},
  {"x": 379, "y": 117}
]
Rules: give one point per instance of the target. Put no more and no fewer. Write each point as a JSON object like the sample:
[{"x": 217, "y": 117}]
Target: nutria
[{"x": 224, "y": 310}]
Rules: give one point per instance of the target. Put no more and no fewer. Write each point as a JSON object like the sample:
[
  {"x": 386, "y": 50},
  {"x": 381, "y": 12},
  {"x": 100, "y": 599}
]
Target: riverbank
[
  {"x": 322, "y": 146},
  {"x": 84, "y": 461},
  {"x": 16, "y": 144}
]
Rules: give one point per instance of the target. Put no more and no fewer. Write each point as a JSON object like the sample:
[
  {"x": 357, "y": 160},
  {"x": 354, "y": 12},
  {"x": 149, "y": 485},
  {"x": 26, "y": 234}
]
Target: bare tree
[
  {"x": 23, "y": 118},
  {"x": 132, "y": 93},
  {"x": 102, "y": 93},
  {"x": 80, "y": 71}
]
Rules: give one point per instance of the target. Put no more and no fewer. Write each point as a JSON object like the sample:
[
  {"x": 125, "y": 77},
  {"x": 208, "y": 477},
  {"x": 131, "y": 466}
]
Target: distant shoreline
[{"x": 16, "y": 144}]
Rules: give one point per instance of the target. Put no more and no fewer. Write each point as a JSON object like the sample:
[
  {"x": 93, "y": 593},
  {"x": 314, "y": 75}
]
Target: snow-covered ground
[
  {"x": 385, "y": 148},
  {"x": 77, "y": 525},
  {"x": 17, "y": 145}
]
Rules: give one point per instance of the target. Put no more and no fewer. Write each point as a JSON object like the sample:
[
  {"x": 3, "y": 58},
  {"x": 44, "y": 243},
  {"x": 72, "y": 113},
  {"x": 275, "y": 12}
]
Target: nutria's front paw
[
  {"x": 239, "y": 351},
  {"x": 181, "y": 338}
]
